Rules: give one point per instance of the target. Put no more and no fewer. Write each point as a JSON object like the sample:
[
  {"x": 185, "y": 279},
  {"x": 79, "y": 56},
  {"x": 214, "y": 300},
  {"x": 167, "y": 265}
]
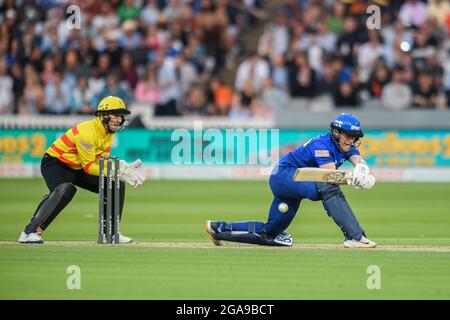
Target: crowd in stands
[
  {"x": 59, "y": 59},
  {"x": 170, "y": 54},
  {"x": 332, "y": 54}
]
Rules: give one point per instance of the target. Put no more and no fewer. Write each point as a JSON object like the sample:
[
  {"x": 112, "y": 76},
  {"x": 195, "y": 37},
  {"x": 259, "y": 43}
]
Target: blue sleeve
[{"x": 321, "y": 152}]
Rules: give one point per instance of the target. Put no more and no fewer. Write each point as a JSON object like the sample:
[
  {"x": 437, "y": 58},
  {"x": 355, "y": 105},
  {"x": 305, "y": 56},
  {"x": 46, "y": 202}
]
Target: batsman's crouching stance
[
  {"x": 72, "y": 160},
  {"x": 327, "y": 151}
]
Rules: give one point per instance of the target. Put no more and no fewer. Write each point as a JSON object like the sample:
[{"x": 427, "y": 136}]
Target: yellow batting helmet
[{"x": 112, "y": 104}]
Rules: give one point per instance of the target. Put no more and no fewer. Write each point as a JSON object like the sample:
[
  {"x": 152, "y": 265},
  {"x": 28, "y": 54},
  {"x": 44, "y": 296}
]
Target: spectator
[
  {"x": 96, "y": 82},
  {"x": 300, "y": 39},
  {"x": 228, "y": 11},
  {"x": 49, "y": 43},
  {"x": 128, "y": 10},
  {"x": 48, "y": 74},
  {"x": 253, "y": 11},
  {"x": 424, "y": 46},
  {"x": 113, "y": 49},
  {"x": 409, "y": 70},
  {"x": 378, "y": 79},
  {"x": 220, "y": 98},
  {"x": 81, "y": 100},
  {"x": 396, "y": 41},
  {"x": 247, "y": 96},
  {"x": 35, "y": 58},
  {"x": 150, "y": 14},
  {"x": 186, "y": 72},
  {"x": 279, "y": 73},
  {"x": 335, "y": 21},
  {"x": 280, "y": 36},
  {"x": 292, "y": 11},
  {"x": 442, "y": 96},
  {"x": 104, "y": 65},
  {"x": 154, "y": 38},
  {"x": 413, "y": 13},
  {"x": 169, "y": 86},
  {"x": 325, "y": 38},
  {"x": 255, "y": 69},
  {"x": 424, "y": 92},
  {"x": 311, "y": 17},
  {"x": 57, "y": 95},
  {"x": 113, "y": 88},
  {"x": 245, "y": 103},
  {"x": 328, "y": 84},
  {"x": 106, "y": 19},
  {"x": 348, "y": 41},
  {"x": 33, "y": 100},
  {"x": 265, "y": 44},
  {"x": 129, "y": 37},
  {"x": 396, "y": 95},
  {"x": 73, "y": 68},
  {"x": 315, "y": 54},
  {"x": 18, "y": 85},
  {"x": 273, "y": 98},
  {"x": 196, "y": 103},
  {"x": 211, "y": 25},
  {"x": 438, "y": 10},
  {"x": 302, "y": 78},
  {"x": 347, "y": 94},
  {"x": 87, "y": 52},
  {"x": 6, "y": 89},
  {"x": 128, "y": 71},
  {"x": 173, "y": 10},
  {"x": 147, "y": 90},
  {"x": 368, "y": 54}
]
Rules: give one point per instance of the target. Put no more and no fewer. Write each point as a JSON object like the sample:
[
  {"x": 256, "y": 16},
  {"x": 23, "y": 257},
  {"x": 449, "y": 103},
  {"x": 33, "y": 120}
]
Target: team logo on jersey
[
  {"x": 86, "y": 146},
  {"x": 322, "y": 153}
]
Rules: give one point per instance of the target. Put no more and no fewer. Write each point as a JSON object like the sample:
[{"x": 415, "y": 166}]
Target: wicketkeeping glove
[{"x": 131, "y": 173}]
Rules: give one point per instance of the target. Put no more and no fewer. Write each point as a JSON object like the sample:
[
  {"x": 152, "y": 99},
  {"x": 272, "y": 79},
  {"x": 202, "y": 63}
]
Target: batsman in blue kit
[{"x": 327, "y": 151}]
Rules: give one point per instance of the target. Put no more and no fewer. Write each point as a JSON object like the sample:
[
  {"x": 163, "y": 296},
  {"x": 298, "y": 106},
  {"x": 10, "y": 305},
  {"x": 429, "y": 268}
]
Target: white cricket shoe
[
  {"x": 33, "y": 237},
  {"x": 212, "y": 227},
  {"x": 124, "y": 239},
  {"x": 362, "y": 243}
]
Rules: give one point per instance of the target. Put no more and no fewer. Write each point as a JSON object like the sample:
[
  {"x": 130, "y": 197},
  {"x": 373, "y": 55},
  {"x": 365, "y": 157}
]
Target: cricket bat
[{"x": 320, "y": 175}]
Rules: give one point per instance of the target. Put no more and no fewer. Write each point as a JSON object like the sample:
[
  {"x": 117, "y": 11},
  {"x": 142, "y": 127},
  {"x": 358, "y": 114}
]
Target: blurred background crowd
[{"x": 176, "y": 56}]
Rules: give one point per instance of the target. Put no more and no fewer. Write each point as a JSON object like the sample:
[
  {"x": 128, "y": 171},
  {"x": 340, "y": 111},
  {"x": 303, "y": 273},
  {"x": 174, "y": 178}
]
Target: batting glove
[
  {"x": 368, "y": 183},
  {"x": 358, "y": 175}
]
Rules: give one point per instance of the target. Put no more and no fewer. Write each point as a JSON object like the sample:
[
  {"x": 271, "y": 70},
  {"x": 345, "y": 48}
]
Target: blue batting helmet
[{"x": 349, "y": 124}]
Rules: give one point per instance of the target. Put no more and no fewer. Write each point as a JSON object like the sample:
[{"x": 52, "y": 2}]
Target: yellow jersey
[{"x": 82, "y": 146}]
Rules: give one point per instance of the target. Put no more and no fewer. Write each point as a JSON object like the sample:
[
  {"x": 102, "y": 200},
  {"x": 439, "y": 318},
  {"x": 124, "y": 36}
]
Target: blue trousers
[
  {"x": 286, "y": 191},
  {"x": 290, "y": 194}
]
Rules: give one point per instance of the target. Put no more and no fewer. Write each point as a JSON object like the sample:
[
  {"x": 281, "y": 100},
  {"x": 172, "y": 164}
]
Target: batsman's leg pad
[
  {"x": 339, "y": 210},
  {"x": 51, "y": 206},
  {"x": 251, "y": 237},
  {"x": 282, "y": 212}
]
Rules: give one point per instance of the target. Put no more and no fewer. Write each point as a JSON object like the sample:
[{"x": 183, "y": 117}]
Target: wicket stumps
[{"x": 109, "y": 206}]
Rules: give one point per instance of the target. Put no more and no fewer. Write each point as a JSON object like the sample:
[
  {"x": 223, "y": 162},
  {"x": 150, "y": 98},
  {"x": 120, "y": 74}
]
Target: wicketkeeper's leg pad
[{"x": 51, "y": 206}]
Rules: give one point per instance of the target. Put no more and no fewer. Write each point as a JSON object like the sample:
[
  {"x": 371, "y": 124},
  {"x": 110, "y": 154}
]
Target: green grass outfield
[{"x": 172, "y": 257}]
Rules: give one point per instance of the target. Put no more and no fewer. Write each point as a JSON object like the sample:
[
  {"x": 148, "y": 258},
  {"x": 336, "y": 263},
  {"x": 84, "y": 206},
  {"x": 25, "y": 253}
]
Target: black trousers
[{"x": 56, "y": 173}]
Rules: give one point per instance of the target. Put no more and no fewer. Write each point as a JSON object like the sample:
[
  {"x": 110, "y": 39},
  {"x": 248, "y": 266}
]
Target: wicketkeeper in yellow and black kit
[{"x": 73, "y": 160}]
